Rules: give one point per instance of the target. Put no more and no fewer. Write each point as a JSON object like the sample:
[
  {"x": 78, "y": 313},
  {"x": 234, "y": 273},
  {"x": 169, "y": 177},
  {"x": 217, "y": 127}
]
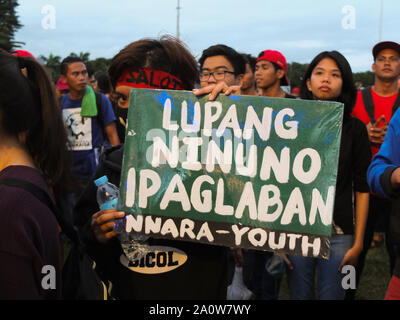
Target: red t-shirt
[{"x": 383, "y": 105}]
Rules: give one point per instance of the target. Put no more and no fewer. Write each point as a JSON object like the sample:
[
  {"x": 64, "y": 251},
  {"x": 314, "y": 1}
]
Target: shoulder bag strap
[
  {"x": 368, "y": 103},
  {"x": 396, "y": 104},
  {"x": 44, "y": 197}
]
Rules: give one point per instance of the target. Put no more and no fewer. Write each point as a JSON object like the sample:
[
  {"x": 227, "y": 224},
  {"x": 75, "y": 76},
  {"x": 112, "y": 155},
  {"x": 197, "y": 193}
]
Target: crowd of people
[{"x": 62, "y": 134}]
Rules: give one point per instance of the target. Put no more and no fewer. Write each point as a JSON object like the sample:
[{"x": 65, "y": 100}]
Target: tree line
[
  {"x": 295, "y": 70},
  {"x": 95, "y": 66}
]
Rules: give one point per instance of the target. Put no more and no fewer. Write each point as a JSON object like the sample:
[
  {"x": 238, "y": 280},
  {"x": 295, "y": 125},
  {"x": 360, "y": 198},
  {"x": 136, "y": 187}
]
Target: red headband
[{"x": 149, "y": 78}]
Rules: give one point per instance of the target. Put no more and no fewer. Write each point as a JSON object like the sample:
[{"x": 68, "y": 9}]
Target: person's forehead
[
  {"x": 388, "y": 52},
  {"x": 264, "y": 63},
  {"x": 125, "y": 90},
  {"x": 76, "y": 66},
  {"x": 216, "y": 62},
  {"x": 327, "y": 63}
]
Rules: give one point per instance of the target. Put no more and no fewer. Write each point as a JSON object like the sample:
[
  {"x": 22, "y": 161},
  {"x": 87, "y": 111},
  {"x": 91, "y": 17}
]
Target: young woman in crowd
[
  {"x": 32, "y": 149},
  {"x": 203, "y": 275},
  {"x": 329, "y": 77}
]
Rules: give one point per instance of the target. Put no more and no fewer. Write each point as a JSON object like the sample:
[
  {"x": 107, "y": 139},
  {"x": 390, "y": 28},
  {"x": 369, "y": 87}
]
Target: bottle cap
[{"x": 101, "y": 180}]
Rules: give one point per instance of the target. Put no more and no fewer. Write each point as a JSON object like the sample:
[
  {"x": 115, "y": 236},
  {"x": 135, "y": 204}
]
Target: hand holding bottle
[{"x": 103, "y": 223}]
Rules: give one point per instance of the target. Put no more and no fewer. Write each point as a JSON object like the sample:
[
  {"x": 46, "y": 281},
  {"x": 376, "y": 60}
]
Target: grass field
[
  {"x": 375, "y": 277},
  {"x": 374, "y": 280}
]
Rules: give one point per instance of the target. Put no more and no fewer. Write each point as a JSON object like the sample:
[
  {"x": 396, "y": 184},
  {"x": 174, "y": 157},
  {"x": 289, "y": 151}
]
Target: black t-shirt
[
  {"x": 202, "y": 276},
  {"x": 354, "y": 159}
]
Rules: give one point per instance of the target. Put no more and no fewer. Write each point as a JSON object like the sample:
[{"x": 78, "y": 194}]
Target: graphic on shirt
[
  {"x": 158, "y": 260},
  {"x": 79, "y": 129}
]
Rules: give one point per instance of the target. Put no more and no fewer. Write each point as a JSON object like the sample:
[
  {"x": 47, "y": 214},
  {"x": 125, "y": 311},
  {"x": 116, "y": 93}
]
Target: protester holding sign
[
  {"x": 223, "y": 65},
  {"x": 172, "y": 269},
  {"x": 329, "y": 77},
  {"x": 222, "y": 70}
]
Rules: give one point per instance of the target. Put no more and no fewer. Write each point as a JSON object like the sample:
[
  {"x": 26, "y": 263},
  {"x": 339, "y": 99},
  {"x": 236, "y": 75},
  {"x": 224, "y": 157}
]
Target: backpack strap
[
  {"x": 368, "y": 103},
  {"x": 396, "y": 104},
  {"x": 99, "y": 109},
  {"x": 43, "y": 197},
  {"x": 100, "y": 114}
]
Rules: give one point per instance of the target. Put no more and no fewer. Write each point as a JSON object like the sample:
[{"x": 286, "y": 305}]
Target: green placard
[{"x": 245, "y": 171}]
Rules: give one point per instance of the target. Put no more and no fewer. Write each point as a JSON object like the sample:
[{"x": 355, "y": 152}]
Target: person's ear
[
  {"x": 373, "y": 67},
  {"x": 239, "y": 79},
  {"x": 280, "y": 73},
  {"x": 308, "y": 83},
  {"x": 64, "y": 78},
  {"x": 22, "y": 136}
]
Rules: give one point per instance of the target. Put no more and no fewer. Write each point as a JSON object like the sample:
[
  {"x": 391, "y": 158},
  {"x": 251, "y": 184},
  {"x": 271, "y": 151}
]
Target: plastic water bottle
[
  {"x": 134, "y": 246},
  {"x": 107, "y": 194}
]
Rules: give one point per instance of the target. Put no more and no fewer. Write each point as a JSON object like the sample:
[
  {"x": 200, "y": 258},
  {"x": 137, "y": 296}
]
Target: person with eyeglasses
[
  {"x": 221, "y": 70},
  {"x": 375, "y": 106}
]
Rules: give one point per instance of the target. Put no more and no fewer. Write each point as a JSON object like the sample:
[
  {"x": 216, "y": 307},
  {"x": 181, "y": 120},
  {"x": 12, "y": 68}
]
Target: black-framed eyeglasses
[{"x": 218, "y": 75}]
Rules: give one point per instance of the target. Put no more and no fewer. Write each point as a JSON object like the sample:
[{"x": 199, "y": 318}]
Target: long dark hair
[
  {"x": 28, "y": 104},
  {"x": 348, "y": 93},
  {"x": 167, "y": 54}
]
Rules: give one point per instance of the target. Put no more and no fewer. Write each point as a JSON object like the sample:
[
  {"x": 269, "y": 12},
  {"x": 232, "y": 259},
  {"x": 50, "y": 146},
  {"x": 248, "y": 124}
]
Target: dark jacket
[
  {"x": 30, "y": 251},
  {"x": 379, "y": 174}
]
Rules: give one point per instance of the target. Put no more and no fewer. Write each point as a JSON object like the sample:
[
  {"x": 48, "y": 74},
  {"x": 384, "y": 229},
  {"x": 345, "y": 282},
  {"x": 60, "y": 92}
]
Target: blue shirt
[
  {"x": 85, "y": 135},
  {"x": 386, "y": 161}
]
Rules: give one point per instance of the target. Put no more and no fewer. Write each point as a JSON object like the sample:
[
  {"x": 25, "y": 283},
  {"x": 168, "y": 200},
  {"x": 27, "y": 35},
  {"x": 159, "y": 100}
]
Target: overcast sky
[{"x": 300, "y": 29}]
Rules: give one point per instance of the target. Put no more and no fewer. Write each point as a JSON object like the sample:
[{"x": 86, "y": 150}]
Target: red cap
[
  {"x": 296, "y": 90},
  {"x": 385, "y": 45},
  {"x": 61, "y": 85},
  {"x": 277, "y": 58},
  {"x": 22, "y": 53}
]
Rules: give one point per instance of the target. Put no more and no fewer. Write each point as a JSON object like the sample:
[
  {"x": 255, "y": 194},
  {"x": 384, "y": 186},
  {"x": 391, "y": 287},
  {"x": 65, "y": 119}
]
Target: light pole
[
  {"x": 380, "y": 22},
  {"x": 177, "y": 20}
]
